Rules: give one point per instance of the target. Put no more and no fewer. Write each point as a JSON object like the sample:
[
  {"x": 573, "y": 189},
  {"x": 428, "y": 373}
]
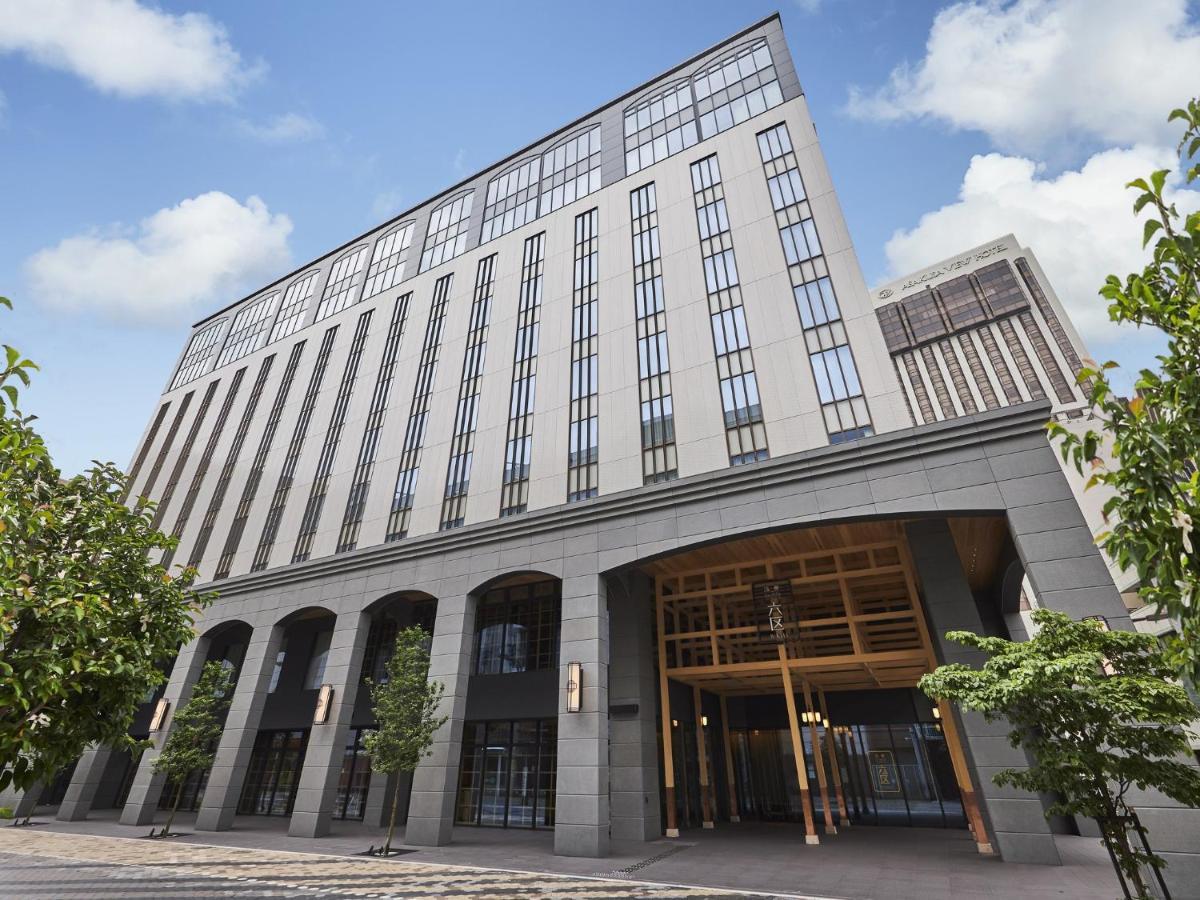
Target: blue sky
[{"x": 157, "y": 161}]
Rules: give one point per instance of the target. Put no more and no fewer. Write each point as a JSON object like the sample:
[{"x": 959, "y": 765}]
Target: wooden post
[
  {"x": 831, "y": 753},
  {"x": 962, "y": 774},
  {"x": 734, "y": 812},
  {"x": 830, "y": 828},
  {"x": 706, "y": 799},
  {"x": 672, "y": 825},
  {"x": 810, "y": 833}
]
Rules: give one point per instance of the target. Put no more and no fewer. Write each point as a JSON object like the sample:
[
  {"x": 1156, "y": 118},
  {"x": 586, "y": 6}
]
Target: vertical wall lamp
[
  {"x": 574, "y": 686},
  {"x": 160, "y": 713},
  {"x": 324, "y": 702}
]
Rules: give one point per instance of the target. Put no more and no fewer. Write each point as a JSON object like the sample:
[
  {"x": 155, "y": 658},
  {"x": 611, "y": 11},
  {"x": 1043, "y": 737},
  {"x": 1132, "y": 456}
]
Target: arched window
[
  {"x": 388, "y": 260},
  {"x": 511, "y": 200},
  {"x": 571, "y": 170},
  {"x": 295, "y": 304},
  {"x": 447, "y": 235},
  {"x": 343, "y": 279},
  {"x": 659, "y": 126},
  {"x": 736, "y": 87},
  {"x": 197, "y": 359},
  {"x": 249, "y": 330}
]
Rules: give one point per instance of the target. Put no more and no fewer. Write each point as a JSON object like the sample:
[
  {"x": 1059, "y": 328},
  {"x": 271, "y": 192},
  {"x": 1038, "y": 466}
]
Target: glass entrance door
[
  {"x": 507, "y": 774},
  {"x": 274, "y": 773}
]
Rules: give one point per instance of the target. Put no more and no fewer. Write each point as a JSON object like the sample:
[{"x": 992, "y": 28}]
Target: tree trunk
[
  {"x": 166, "y": 832},
  {"x": 387, "y": 847}
]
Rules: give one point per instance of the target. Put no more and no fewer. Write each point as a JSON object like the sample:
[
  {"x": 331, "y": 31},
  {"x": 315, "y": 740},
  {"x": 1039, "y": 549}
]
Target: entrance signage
[
  {"x": 884, "y": 774},
  {"x": 774, "y": 600}
]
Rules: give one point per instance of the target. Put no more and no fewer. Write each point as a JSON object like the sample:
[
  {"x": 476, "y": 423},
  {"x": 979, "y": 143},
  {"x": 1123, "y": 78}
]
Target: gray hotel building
[{"x": 685, "y": 509}]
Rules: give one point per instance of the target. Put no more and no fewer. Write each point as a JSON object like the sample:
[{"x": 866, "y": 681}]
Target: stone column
[
  {"x": 581, "y": 815},
  {"x": 1019, "y": 827},
  {"x": 315, "y": 794},
  {"x": 142, "y": 803},
  {"x": 81, "y": 792},
  {"x": 228, "y": 774},
  {"x": 26, "y": 801},
  {"x": 633, "y": 683},
  {"x": 435, "y": 783}
]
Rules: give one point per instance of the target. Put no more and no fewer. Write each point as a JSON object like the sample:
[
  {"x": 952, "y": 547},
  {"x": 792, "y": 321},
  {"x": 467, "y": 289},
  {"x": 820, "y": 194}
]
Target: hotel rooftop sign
[{"x": 945, "y": 269}]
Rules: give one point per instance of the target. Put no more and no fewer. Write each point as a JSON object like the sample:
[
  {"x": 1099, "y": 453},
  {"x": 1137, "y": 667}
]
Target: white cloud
[
  {"x": 122, "y": 47},
  {"x": 809, "y": 7},
  {"x": 1079, "y": 224},
  {"x": 185, "y": 259},
  {"x": 283, "y": 129},
  {"x": 1035, "y": 72}
]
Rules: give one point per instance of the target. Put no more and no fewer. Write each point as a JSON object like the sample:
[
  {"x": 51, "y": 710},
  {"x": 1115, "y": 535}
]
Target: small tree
[
  {"x": 191, "y": 744},
  {"x": 85, "y": 616},
  {"x": 1155, "y": 437},
  {"x": 1098, "y": 712},
  {"x": 405, "y": 705}
]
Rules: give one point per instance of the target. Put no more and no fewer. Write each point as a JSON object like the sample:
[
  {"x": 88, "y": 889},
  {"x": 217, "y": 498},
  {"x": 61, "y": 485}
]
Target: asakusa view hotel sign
[{"x": 945, "y": 269}]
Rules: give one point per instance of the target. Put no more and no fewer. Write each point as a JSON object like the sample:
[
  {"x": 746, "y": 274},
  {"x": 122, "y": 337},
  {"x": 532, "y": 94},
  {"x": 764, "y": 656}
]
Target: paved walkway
[{"x": 861, "y": 863}]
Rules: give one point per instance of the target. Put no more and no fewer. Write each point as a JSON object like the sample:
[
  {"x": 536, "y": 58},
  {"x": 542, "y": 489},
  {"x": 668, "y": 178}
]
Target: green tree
[
  {"x": 1154, "y": 439},
  {"x": 191, "y": 744},
  {"x": 1099, "y": 713},
  {"x": 405, "y": 705},
  {"x": 84, "y": 615}
]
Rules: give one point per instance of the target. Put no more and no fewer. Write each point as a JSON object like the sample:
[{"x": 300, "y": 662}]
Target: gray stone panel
[{"x": 85, "y": 781}]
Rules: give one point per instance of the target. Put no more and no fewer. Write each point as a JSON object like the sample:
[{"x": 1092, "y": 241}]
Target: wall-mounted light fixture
[
  {"x": 825, "y": 723},
  {"x": 574, "y": 686},
  {"x": 324, "y": 702},
  {"x": 674, "y": 723},
  {"x": 704, "y": 721},
  {"x": 160, "y": 713},
  {"x": 937, "y": 713}
]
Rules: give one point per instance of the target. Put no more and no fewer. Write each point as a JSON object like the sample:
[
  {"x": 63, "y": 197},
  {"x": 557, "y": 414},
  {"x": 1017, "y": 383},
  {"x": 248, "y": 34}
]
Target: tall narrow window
[
  {"x": 458, "y": 475},
  {"x": 583, "y": 441},
  {"x": 659, "y": 461},
  {"x": 185, "y": 452},
  {"x": 233, "y": 539},
  {"x": 418, "y": 414},
  {"x": 447, "y": 235},
  {"x": 343, "y": 282},
  {"x": 165, "y": 449},
  {"x": 235, "y": 450},
  {"x": 736, "y": 88},
  {"x": 214, "y": 437},
  {"x": 659, "y": 126},
  {"x": 842, "y": 402},
  {"x": 333, "y": 438},
  {"x": 368, "y": 447},
  {"x": 514, "y": 491},
  {"x": 571, "y": 170},
  {"x": 511, "y": 200},
  {"x": 295, "y": 304},
  {"x": 197, "y": 359},
  {"x": 388, "y": 260},
  {"x": 131, "y": 479},
  {"x": 745, "y": 434},
  {"x": 249, "y": 330},
  {"x": 283, "y": 487}
]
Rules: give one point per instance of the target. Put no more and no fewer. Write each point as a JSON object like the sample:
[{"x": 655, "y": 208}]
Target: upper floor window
[
  {"x": 388, "y": 260},
  {"x": 511, "y": 200},
  {"x": 249, "y": 330},
  {"x": 659, "y": 126},
  {"x": 295, "y": 304},
  {"x": 737, "y": 87},
  {"x": 517, "y": 628},
  {"x": 343, "y": 279},
  {"x": 571, "y": 170},
  {"x": 199, "y": 354},
  {"x": 447, "y": 236}
]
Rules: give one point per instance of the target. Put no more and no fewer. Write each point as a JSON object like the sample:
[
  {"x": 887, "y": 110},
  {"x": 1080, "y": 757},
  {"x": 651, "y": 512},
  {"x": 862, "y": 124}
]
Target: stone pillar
[
  {"x": 633, "y": 685},
  {"x": 1019, "y": 827},
  {"x": 228, "y": 774},
  {"x": 142, "y": 803},
  {"x": 435, "y": 783},
  {"x": 379, "y": 800},
  {"x": 25, "y": 802},
  {"x": 581, "y": 814},
  {"x": 81, "y": 792},
  {"x": 315, "y": 794}
]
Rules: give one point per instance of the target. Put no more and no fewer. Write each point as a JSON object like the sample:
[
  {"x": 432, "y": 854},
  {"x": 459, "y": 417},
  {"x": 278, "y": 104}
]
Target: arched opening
[{"x": 508, "y": 767}]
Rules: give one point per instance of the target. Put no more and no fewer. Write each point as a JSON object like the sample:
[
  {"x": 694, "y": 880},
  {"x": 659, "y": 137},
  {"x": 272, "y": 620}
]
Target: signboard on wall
[{"x": 885, "y": 777}]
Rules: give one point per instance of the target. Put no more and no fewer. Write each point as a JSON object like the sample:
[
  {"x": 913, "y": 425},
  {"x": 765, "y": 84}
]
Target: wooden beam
[
  {"x": 831, "y": 754},
  {"x": 815, "y": 741},
  {"x": 810, "y": 833}
]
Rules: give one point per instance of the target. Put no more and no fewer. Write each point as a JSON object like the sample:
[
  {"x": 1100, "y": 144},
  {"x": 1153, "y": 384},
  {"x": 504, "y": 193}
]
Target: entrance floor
[{"x": 858, "y": 863}]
